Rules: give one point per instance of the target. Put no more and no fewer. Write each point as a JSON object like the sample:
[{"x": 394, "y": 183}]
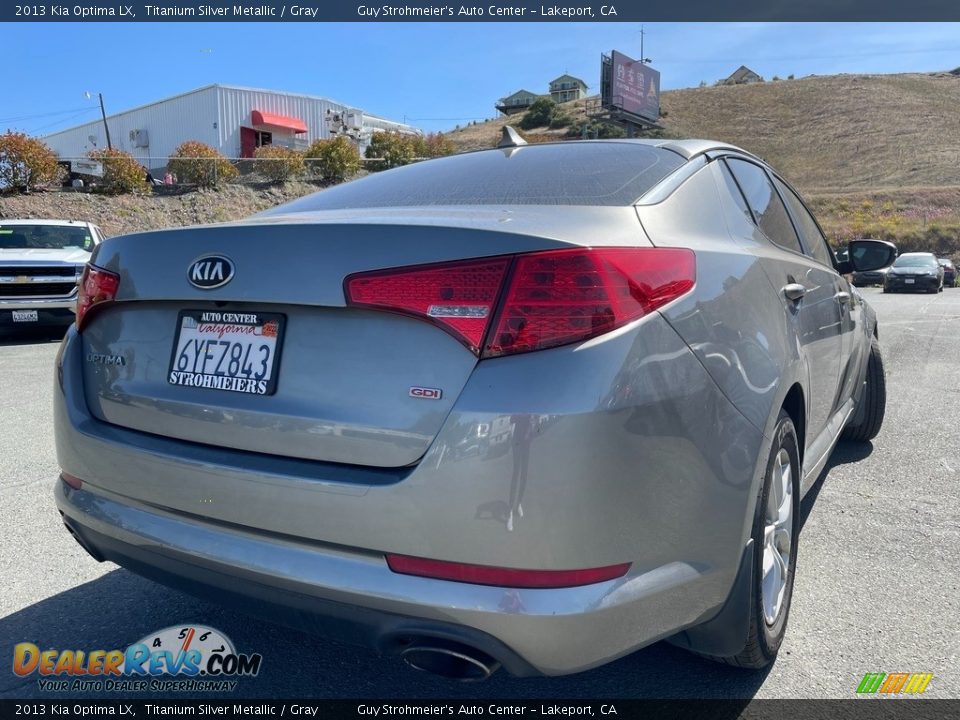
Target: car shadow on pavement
[
  {"x": 120, "y": 608},
  {"x": 31, "y": 336},
  {"x": 846, "y": 451}
]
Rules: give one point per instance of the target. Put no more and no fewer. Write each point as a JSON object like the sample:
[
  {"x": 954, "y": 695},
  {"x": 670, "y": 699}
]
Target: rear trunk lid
[{"x": 349, "y": 383}]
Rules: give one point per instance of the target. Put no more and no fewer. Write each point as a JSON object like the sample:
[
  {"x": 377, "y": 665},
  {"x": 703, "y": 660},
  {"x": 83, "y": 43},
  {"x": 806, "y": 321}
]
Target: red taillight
[
  {"x": 540, "y": 300},
  {"x": 564, "y": 296},
  {"x": 503, "y": 577},
  {"x": 459, "y": 297},
  {"x": 97, "y": 285}
]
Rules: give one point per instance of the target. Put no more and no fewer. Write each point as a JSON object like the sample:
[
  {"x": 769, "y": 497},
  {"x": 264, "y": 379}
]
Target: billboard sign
[{"x": 634, "y": 87}]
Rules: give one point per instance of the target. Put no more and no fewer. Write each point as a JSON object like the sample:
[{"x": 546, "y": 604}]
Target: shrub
[
  {"x": 433, "y": 145},
  {"x": 278, "y": 163},
  {"x": 333, "y": 160},
  {"x": 26, "y": 163},
  {"x": 560, "y": 120},
  {"x": 391, "y": 149},
  {"x": 122, "y": 173},
  {"x": 596, "y": 130},
  {"x": 540, "y": 114},
  {"x": 199, "y": 164}
]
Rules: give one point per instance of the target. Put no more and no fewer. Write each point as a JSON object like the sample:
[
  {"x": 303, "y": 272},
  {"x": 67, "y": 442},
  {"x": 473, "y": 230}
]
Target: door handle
[{"x": 794, "y": 291}]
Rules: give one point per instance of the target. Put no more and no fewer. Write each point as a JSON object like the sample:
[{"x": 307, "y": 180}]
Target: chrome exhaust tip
[{"x": 450, "y": 660}]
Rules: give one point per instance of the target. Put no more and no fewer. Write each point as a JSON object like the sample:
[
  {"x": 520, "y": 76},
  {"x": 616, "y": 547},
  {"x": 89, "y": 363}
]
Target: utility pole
[
  {"x": 642, "y": 56},
  {"x": 103, "y": 113}
]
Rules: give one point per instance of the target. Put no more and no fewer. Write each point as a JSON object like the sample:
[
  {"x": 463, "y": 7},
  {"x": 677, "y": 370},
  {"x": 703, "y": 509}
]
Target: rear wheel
[
  {"x": 873, "y": 399},
  {"x": 775, "y": 529}
]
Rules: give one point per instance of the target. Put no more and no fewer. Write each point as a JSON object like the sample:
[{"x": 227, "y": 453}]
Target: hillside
[
  {"x": 833, "y": 133},
  {"x": 876, "y": 155}
]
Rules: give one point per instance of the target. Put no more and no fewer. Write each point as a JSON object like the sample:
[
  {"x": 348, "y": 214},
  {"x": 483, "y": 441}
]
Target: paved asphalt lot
[{"x": 878, "y": 585}]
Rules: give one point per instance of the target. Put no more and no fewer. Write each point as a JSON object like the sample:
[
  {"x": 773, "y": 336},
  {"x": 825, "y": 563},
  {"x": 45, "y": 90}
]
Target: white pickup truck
[{"x": 41, "y": 262}]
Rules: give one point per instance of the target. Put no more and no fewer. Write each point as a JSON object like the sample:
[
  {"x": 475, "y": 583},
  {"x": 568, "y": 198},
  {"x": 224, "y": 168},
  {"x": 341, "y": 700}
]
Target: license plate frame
[
  {"x": 218, "y": 320},
  {"x": 24, "y": 316},
  {"x": 909, "y": 281}
]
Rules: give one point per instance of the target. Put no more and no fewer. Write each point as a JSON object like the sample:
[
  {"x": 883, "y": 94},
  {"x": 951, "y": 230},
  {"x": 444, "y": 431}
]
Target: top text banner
[{"x": 515, "y": 11}]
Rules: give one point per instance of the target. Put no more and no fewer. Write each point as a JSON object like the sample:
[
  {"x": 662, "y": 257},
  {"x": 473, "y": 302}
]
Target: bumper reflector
[
  {"x": 74, "y": 482},
  {"x": 503, "y": 577}
]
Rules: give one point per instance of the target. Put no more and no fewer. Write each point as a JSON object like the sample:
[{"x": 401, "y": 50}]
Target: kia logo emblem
[{"x": 210, "y": 271}]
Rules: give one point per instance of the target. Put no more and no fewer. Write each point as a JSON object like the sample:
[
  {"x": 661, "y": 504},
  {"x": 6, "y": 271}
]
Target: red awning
[{"x": 258, "y": 117}]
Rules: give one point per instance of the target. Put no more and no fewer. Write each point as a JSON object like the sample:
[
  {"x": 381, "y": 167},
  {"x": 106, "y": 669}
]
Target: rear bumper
[
  {"x": 921, "y": 282},
  {"x": 648, "y": 464}
]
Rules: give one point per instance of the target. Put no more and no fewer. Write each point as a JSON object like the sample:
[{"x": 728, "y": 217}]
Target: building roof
[
  {"x": 228, "y": 87},
  {"x": 520, "y": 92},
  {"x": 741, "y": 72},
  {"x": 567, "y": 78}
]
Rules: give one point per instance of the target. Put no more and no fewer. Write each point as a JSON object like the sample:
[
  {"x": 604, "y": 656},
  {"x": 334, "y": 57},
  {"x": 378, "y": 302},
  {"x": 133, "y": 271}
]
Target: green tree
[
  {"x": 539, "y": 114},
  {"x": 390, "y": 149},
  {"x": 333, "y": 160}
]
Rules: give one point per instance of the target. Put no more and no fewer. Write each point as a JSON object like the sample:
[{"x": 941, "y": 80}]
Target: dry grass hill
[{"x": 876, "y": 155}]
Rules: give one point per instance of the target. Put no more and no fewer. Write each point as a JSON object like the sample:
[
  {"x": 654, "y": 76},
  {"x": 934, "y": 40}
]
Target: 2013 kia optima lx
[{"x": 536, "y": 406}]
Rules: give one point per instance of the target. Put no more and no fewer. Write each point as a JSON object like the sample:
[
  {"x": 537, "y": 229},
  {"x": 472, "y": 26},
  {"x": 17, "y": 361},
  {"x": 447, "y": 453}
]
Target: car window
[
  {"x": 590, "y": 173},
  {"x": 813, "y": 239},
  {"x": 44, "y": 237},
  {"x": 734, "y": 192},
  {"x": 915, "y": 261},
  {"x": 769, "y": 212}
]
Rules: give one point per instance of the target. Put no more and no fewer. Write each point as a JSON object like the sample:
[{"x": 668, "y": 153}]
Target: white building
[{"x": 234, "y": 120}]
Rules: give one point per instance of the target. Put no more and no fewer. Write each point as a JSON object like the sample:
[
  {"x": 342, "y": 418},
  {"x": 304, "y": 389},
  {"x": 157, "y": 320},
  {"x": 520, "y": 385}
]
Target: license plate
[
  {"x": 25, "y": 316},
  {"x": 909, "y": 281},
  {"x": 234, "y": 351}
]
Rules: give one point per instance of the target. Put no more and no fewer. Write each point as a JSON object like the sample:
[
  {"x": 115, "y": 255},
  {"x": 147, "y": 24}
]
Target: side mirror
[{"x": 864, "y": 255}]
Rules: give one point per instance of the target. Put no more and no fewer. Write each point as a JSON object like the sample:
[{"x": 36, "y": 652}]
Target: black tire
[
  {"x": 868, "y": 418},
  {"x": 763, "y": 639}
]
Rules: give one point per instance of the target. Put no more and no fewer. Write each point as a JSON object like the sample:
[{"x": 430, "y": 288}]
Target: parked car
[
  {"x": 912, "y": 272},
  {"x": 40, "y": 264},
  {"x": 949, "y": 272},
  {"x": 870, "y": 277},
  {"x": 651, "y": 338}
]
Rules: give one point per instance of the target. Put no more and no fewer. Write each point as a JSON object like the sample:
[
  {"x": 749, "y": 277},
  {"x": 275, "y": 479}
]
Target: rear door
[
  {"x": 851, "y": 308},
  {"x": 815, "y": 313}
]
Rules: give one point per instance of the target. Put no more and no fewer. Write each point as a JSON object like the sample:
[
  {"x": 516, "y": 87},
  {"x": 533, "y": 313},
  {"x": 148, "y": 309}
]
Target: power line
[
  {"x": 64, "y": 120},
  {"x": 42, "y": 115}
]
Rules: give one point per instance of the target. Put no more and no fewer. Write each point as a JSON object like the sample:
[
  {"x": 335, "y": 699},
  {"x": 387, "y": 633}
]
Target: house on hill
[
  {"x": 516, "y": 103},
  {"x": 566, "y": 88},
  {"x": 741, "y": 76}
]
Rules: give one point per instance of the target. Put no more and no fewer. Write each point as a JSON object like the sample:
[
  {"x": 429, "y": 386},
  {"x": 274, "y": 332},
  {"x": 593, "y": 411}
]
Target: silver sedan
[{"x": 533, "y": 406}]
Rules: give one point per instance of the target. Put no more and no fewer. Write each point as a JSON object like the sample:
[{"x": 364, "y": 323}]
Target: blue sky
[{"x": 434, "y": 75}]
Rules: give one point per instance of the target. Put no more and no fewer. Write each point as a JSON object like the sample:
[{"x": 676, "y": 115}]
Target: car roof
[
  {"x": 687, "y": 148},
  {"x": 43, "y": 221}
]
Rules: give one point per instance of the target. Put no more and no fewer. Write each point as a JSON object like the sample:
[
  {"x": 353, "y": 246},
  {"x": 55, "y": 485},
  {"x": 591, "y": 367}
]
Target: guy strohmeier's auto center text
[{"x": 230, "y": 11}]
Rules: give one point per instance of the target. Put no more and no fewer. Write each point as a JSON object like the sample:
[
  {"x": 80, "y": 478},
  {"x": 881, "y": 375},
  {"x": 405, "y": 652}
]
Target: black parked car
[
  {"x": 869, "y": 277},
  {"x": 949, "y": 272},
  {"x": 917, "y": 271}
]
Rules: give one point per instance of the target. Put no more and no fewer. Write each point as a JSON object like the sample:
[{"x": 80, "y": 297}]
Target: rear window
[
  {"x": 562, "y": 174},
  {"x": 46, "y": 237},
  {"x": 915, "y": 261}
]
